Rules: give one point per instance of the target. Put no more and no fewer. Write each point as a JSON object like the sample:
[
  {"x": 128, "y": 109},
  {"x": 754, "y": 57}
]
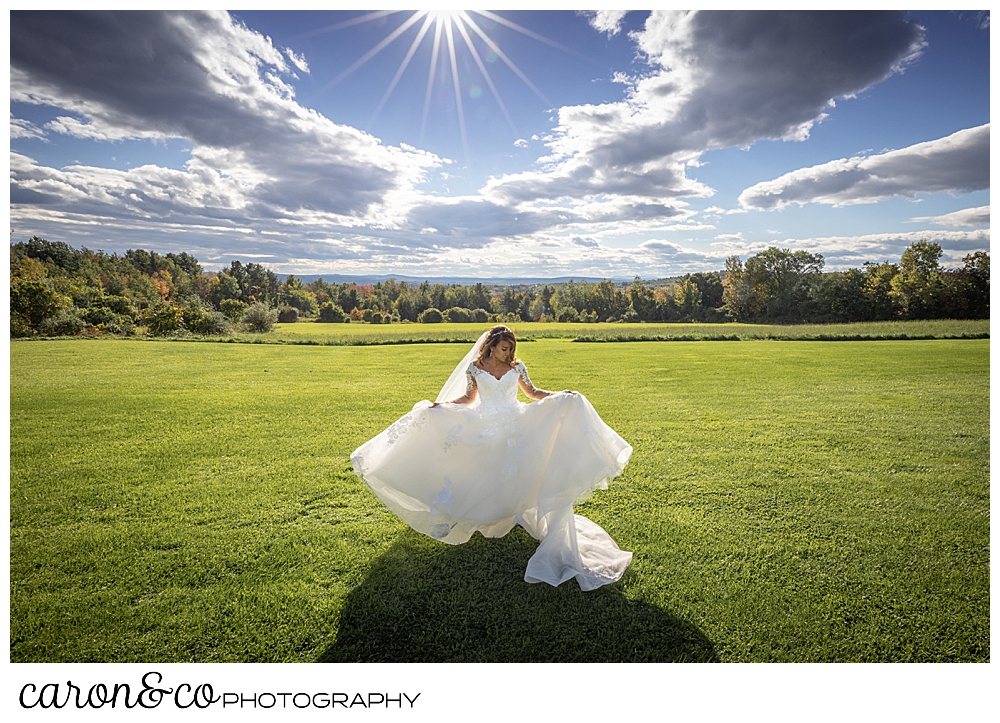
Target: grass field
[
  {"x": 308, "y": 332},
  {"x": 806, "y": 501}
]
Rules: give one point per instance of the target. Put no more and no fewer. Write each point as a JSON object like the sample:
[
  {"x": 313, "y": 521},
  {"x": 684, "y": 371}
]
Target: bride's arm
[
  {"x": 529, "y": 389},
  {"x": 471, "y": 392}
]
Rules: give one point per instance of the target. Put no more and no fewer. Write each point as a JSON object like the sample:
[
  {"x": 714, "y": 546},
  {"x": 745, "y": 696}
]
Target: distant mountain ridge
[
  {"x": 463, "y": 280},
  {"x": 363, "y": 280}
]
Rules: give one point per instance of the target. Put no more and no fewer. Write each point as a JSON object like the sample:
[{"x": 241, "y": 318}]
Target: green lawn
[
  {"x": 308, "y": 332},
  {"x": 787, "y": 501}
]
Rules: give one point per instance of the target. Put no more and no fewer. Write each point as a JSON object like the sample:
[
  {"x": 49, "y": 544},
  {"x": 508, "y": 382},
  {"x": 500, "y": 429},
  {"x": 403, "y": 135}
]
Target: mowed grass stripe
[
  {"x": 358, "y": 334},
  {"x": 786, "y": 502}
]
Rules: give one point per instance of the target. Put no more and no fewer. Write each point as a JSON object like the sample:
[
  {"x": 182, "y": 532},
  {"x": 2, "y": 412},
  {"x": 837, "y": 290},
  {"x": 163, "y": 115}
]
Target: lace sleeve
[
  {"x": 522, "y": 371},
  {"x": 470, "y": 378}
]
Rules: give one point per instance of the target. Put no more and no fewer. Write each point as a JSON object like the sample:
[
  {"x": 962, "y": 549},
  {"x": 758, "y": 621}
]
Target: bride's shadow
[{"x": 427, "y": 602}]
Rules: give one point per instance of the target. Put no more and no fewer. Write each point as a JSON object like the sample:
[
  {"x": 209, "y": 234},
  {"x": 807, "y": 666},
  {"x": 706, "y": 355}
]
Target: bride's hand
[{"x": 434, "y": 404}]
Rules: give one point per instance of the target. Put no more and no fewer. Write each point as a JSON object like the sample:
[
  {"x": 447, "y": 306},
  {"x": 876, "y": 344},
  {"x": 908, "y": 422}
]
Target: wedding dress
[{"x": 453, "y": 469}]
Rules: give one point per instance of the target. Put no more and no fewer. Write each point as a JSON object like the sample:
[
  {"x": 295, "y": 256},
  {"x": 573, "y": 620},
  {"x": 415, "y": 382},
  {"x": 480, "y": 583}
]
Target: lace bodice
[{"x": 495, "y": 392}]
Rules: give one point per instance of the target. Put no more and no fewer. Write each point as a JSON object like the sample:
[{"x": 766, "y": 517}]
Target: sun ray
[
  {"x": 458, "y": 87},
  {"x": 529, "y": 33},
  {"x": 377, "y": 49},
  {"x": 482, "y": 69},
  {"x": 445, "y": 23},
  {"x": 402, "y": 66},
  {"x": 348, "y": 23},
  {"x": 510, "y": 63},
  {"x": 430, "y": 78}
]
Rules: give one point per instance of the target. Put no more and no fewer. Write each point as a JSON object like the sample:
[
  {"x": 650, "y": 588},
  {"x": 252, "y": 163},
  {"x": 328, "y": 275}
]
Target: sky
[{"x": 501, "y": 144}]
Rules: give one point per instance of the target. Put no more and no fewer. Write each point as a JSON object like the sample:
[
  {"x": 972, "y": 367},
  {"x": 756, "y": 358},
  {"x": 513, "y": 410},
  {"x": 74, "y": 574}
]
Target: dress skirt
[{"x": 452, "y": 470}]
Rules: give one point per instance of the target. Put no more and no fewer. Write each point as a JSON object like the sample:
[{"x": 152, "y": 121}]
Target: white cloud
[
  {"x": 21, "y": 128},
  {"x": 973, "y": 217},
  {"x": 606, "y": 21},
  {"x": 738, "y": 236},
  {"x": 959, "y": 162},
  {"x": 520, "y": 143},
  {"x": 719, "y": 80},
  {"x": 661, "y": 247},
  {"x": 299, "y": 61},
  {"x": 270, "y": 178},
  {"x": 842, "y": 252},
  {"x": 210, "y": 80}
]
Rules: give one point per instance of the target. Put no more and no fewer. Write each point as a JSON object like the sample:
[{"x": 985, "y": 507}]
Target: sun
[
  {"x": 451, "y": 31},
  {"x": 444, "y": 15}
]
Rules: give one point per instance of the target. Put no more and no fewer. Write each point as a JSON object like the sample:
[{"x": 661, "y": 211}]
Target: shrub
[
  {"x": 97, "y": 315},
  {"x": 357, "y": 314},
  {"x": 330, "y": 313},
  {"x": 164, "y": 318},
  {"x": 631, "y": 316},
  {"x": 567, "y": 314},
  {"x": 366, "y": 315},
  {"x": 121, "y": 305},
  {"x": 376, "y": 318},
  {"x": 199, "y": 320},
  {"x": 258, "y": 318},
  {"x": 219, "y": 324},
  {"x": 431, "y": 316},
  {"x": 34, "y": 301},
  {"x": 393, "y": 318},
  {"x": 65, "y": 323},
  {"x": 19, "y": 325},
  {"x": 84, "y": 296},
  {"x": 480, "y": 316},
  {"x": 458, "y": 315},
  {"x": 122, "y": 328},
  {"x": 288, "y": 315},
  {"x": 233, "y": 308},
  {"x": 301, "y": 300}
]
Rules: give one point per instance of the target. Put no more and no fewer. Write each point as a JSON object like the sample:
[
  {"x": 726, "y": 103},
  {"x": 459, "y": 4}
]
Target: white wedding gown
[{"x": 451, "y": 470}]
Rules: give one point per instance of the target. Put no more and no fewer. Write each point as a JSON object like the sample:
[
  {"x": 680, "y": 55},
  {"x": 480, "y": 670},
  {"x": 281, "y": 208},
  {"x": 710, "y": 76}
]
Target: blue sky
[{"x": 650, "y": 143}]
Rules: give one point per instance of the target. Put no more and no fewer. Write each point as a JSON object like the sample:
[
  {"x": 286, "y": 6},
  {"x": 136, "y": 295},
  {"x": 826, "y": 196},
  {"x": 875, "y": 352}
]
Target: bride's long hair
[{"x": 496, "y": 335}]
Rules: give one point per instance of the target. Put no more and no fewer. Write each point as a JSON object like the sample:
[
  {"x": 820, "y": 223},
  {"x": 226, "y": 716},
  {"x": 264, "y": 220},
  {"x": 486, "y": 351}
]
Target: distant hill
[{"x": 463, "y": 280}]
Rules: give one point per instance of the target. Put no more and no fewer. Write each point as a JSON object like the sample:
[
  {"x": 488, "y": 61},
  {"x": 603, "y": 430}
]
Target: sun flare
[{"x": 458, "y": 32}]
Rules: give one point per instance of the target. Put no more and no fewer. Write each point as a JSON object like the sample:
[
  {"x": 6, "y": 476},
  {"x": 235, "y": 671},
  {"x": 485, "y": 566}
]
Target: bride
[{"x": 478, "y": 459}]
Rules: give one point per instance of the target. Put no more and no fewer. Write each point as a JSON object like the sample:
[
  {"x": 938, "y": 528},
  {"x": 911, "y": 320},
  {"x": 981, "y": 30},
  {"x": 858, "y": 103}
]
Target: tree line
[{"x": 56, "y": 289}]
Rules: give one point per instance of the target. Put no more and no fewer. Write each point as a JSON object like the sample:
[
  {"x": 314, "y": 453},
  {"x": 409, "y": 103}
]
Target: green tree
[
  {"x": 431, "y": 316},
  {"x": 687, "y": 299},
  {"x": 509, "y": 302},
  {"x": 31, "y": 302},
  {"x": 221, "y": 287},
  {"x": 773, "y": 285},
  {"x": 604, "y": 299},
  {"x": 480, "y": 297},
  {"x": 458, "y": 315},
  {"x": 330, "y": 313},
  {"x": 405, "y": 307},
  {"x": 918, "y": 288},
  {"x": 972, "y": 285},
  {"x": 163, "y": 318},
  {"x": 233, "y": 308},
  {"x": 642, "y": 300},
  {"x": 878, "y": 290},
  {"x": 437, "y": 296}
]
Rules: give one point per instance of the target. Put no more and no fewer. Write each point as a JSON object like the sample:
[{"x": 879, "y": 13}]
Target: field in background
[
  {"x": 786, "y": 502},
  {"x": 359, "y": 334}
]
